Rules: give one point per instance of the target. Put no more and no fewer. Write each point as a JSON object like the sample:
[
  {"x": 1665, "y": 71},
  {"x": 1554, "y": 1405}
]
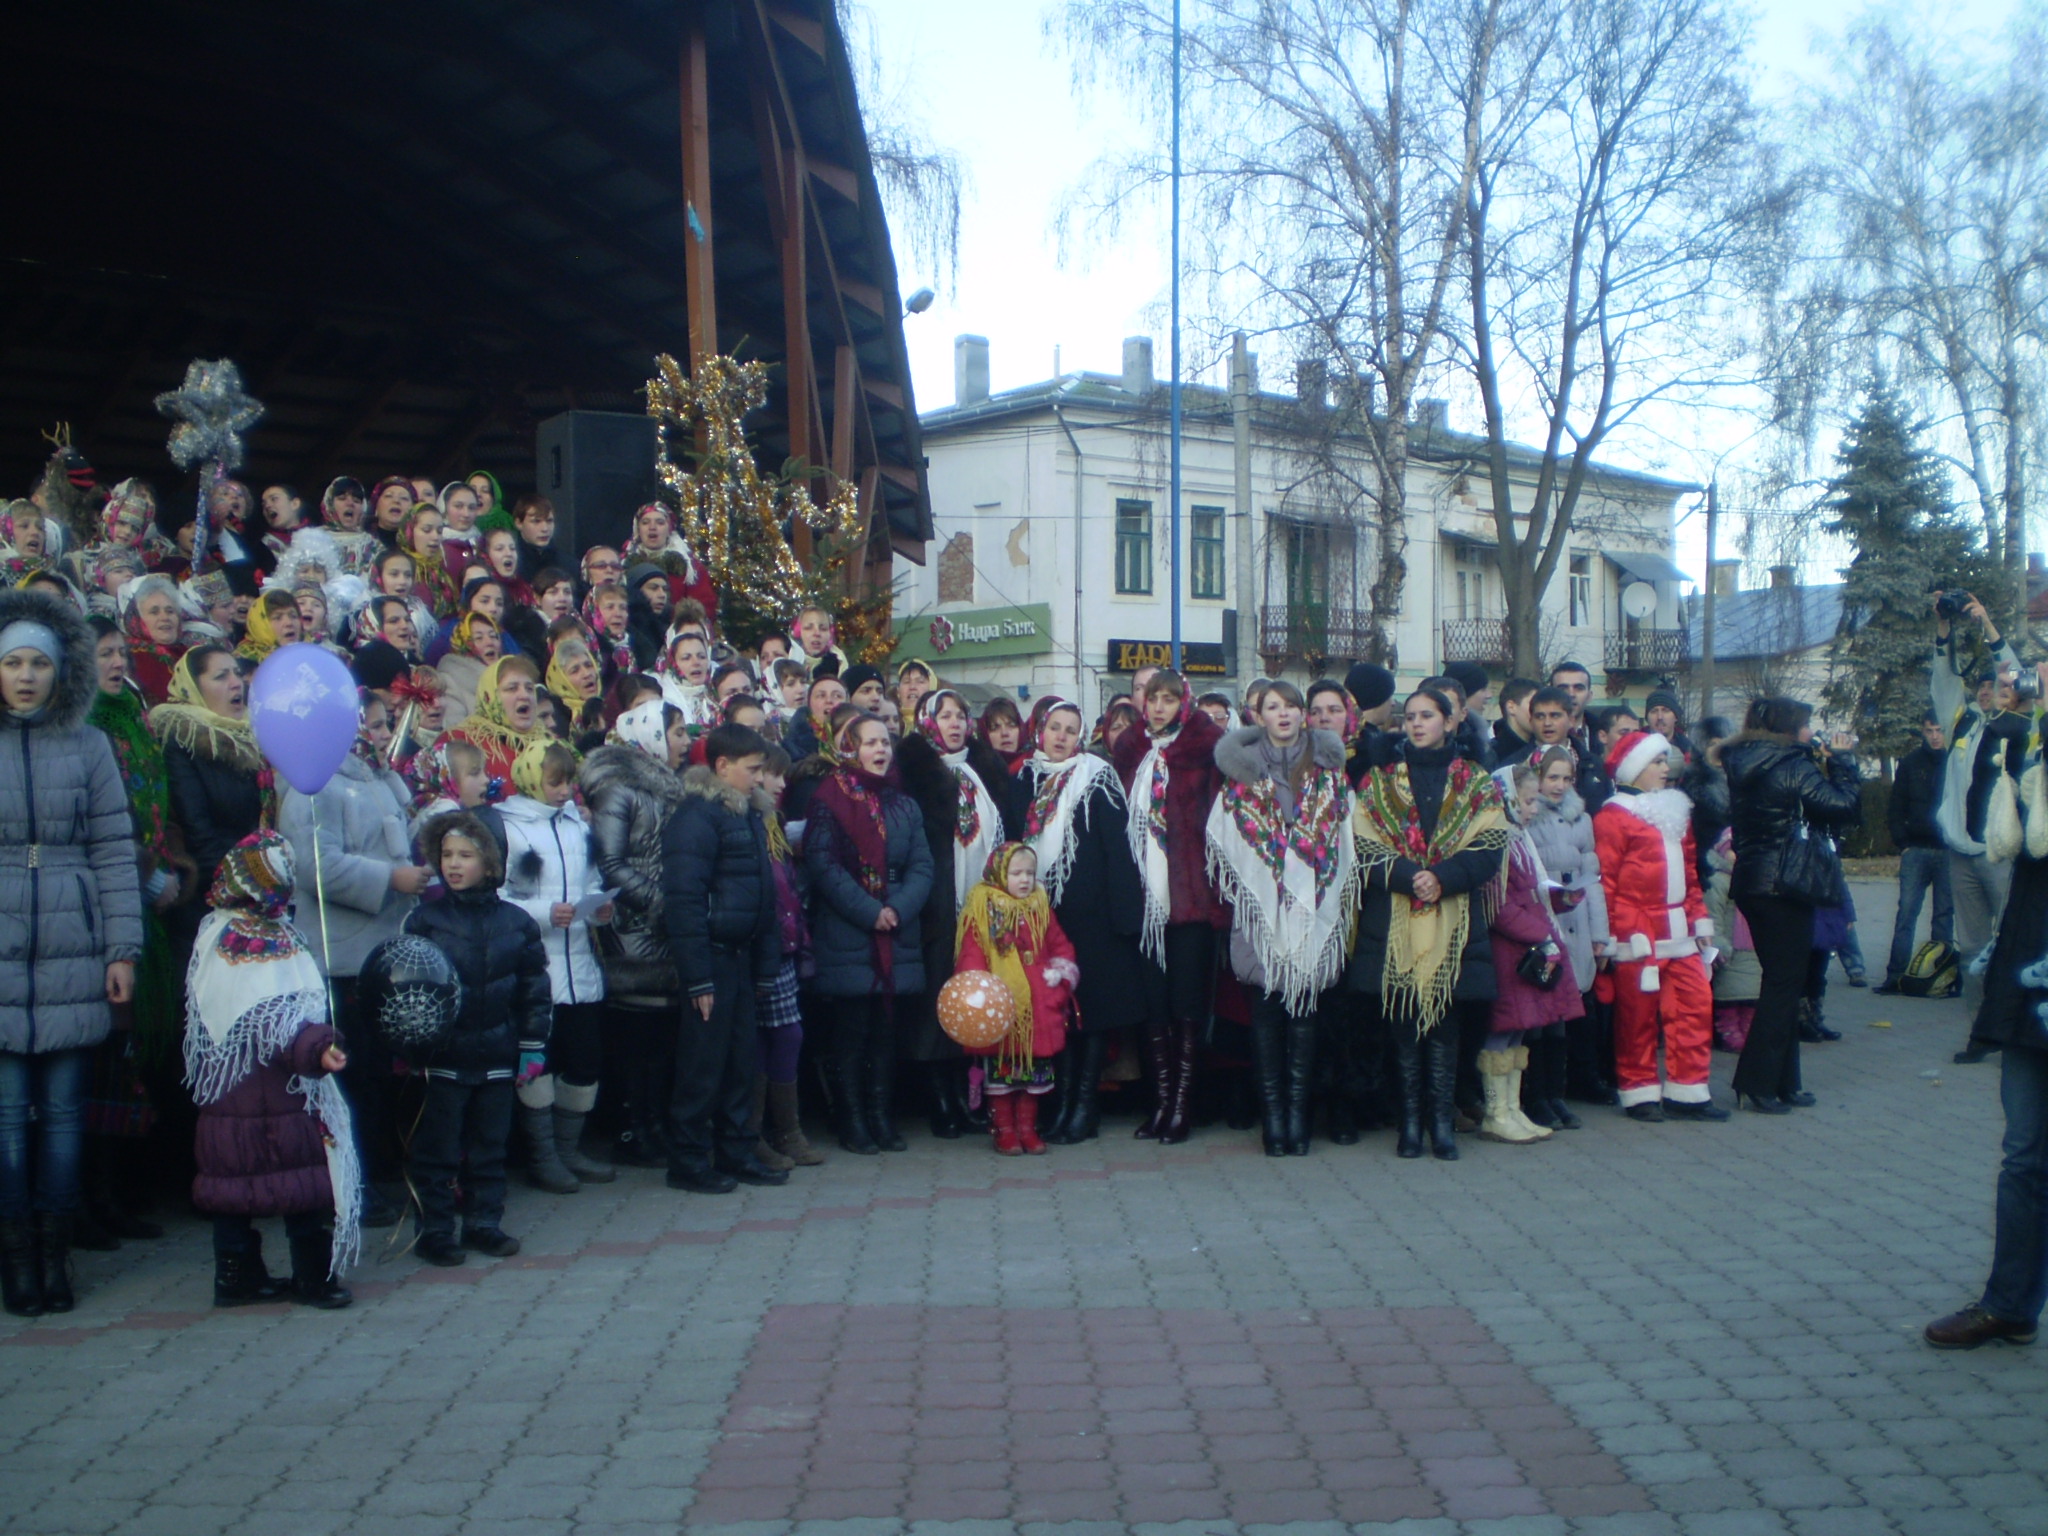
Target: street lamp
[{"x": 918, "y": 302}]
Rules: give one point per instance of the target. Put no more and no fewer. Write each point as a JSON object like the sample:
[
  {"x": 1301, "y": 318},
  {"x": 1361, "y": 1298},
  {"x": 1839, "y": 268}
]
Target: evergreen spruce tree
[{"x": 1890, "y": 498}]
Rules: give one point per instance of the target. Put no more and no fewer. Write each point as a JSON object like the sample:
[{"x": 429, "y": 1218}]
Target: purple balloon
[{"x": 302, "y": 703}]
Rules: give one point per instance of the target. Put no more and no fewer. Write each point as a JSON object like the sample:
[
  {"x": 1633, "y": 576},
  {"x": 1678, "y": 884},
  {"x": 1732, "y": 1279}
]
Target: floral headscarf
[
  {"x": 463, "y": 636},
  {"x": 645, "y": 727},
  {"x": 186, "y": 719},
  {"x": 255, "y": 874},
  {"x": 559, "y": 682},
  {"x": 1005, "y": 926},
  {"x": 431, "y": 577}
]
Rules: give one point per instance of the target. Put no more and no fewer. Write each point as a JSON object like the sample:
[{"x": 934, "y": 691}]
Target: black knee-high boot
[
  {"x": 881, "y": 1067},
  {"x": 849, "y": 1079},
  {"x": 1440, "y": 1052},
  {"x": 1269, "y": 1056},
  {"x": 1408, "y": 1077},
  {"x": 1079, "y": 1084},
  {"x": 1301, "y": 1077}
]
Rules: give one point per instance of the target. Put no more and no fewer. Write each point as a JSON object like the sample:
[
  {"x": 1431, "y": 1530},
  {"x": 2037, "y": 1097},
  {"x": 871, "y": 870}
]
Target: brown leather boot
[{"x": 787, "y": 1137}]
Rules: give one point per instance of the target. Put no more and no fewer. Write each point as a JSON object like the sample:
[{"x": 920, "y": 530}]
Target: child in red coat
[
  {"x": 1007, "y": 928},
  {"x": 1658, "y": 918}
]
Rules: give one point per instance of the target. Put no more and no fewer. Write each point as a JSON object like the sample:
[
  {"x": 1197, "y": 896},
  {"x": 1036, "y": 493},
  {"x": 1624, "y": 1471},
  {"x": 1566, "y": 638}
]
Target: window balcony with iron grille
[
  {"x": 1481, "y": 640},
  {"x": 1312, "y": 632},
  {"x": 1645, "y": 650}
]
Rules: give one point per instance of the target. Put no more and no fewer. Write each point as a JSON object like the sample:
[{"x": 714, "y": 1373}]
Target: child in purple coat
[
  {"x": 1522, "y": 924},
  {"x": 274, "y": 1136}
]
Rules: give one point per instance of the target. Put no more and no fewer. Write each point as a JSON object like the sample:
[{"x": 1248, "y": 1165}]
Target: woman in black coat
[
  {"x": 870, "y": 870},
  {"x": 1780, "y": 783},
  {"x": 1069, "y": 806},
  {"x": 215, "y": 771}
]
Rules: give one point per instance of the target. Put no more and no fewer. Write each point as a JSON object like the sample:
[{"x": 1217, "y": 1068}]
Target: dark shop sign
[{"x": 1198, "y": 658}]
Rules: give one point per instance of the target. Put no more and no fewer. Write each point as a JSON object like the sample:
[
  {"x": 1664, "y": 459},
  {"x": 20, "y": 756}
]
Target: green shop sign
[{"x": 975, "y": 634}]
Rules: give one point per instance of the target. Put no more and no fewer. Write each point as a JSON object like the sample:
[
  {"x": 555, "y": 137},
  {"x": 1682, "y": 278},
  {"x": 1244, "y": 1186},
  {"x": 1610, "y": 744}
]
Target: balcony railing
[
  {"x": 1645, "y": 650},
  {"x": 1312, "y": 633},
  {"x": 1481, "y": 640}
]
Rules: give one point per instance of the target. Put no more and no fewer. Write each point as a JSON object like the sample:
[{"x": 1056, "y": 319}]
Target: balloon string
[{"x": 320, "y": 885}]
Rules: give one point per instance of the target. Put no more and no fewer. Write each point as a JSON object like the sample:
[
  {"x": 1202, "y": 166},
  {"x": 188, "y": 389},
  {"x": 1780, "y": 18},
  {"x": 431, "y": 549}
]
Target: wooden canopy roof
[{"x": 422, "y": 226}]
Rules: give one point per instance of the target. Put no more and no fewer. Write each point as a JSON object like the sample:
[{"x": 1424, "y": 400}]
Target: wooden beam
[
  {"x": 799, "y": 367},
  {"x": 805, "y": 29},
  {"x": 887, "y": 393},
  {"x": 330, "y": 452},
  {"x": 450, "y": 452},
  {"x": 845, "y": 410},
  {"x": 837, "y": 177},
  {"x": 870, "y": 495},
  {"x": 866, "y": 295},
  {"x": 700, "y": 281}
]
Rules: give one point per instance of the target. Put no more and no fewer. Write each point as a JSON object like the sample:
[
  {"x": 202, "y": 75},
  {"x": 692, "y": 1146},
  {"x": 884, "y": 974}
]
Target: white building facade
[{"x": 1051, "y": 566}]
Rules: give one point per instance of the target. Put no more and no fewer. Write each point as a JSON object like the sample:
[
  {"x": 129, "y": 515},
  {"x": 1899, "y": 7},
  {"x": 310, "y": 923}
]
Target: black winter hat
[
  {"x": 1370, "y": 684},
  {"x": 1665, "y": 697}
]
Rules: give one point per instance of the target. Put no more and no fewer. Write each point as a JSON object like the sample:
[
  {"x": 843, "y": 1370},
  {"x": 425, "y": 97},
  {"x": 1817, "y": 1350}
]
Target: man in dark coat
[
  {"x": 1923, "y": 856},
  {"x": 719, "y": 898}
]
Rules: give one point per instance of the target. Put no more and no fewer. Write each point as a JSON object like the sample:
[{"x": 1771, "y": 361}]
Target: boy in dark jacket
[
  {"x": 719, "y": 898},
  {"x": 499, "y": 1039},
  {"x": 1912, "y": 818}
]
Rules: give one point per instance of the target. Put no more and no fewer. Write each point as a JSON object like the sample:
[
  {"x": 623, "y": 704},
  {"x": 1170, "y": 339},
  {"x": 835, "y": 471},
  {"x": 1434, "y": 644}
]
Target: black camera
[
  {"x": 2026, "y": 687},
  {"x": 1950, "y": 605}
]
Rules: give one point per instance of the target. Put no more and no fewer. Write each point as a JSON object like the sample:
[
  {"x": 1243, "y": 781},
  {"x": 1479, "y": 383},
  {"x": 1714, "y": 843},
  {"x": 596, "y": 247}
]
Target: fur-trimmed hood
[
  {"x": 926, "y": 778},
  {"x": 703, "y": 784},
  {"x": 629, "y": 768},
  {"x": 463, "y": 824},
  {"x": 1568, "y": 810},
  {"x": 77, "y": 677},
  {"x": 1237, "y": 754}
]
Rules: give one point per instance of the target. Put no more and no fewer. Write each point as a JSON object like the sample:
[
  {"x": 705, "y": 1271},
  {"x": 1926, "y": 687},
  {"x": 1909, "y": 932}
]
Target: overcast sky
[{"x": 992, "y": 88}]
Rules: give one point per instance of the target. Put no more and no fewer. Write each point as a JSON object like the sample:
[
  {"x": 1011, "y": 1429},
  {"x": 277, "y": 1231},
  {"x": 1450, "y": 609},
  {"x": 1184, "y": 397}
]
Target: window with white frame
[
  {"x": 1134, "y": 546},
  {"x": 1205, "y": 552},
  {"x": 1581, "y": 587}
]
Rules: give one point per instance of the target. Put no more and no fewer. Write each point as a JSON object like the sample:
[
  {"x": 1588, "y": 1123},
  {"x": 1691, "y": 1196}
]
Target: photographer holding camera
[
  {"x": 2009, "y": 1022},
  {"x": 1984, "y": 741}
]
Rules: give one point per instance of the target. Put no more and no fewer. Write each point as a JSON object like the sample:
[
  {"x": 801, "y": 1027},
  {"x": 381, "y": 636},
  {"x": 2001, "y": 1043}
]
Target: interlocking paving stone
[{"x": 1627, "y": 1331}]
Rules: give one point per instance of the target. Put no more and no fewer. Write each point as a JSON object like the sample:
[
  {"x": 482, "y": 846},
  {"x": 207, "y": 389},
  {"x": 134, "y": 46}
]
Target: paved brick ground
[{"x": 1677, "y": 1330}]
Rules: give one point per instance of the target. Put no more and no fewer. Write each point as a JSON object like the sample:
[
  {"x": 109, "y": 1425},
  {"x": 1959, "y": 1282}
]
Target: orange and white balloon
[{"x": 976, "y": 1009}]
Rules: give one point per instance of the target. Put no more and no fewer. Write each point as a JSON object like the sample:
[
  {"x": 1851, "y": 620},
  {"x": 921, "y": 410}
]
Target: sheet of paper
[{"x": 586, "y": 909}]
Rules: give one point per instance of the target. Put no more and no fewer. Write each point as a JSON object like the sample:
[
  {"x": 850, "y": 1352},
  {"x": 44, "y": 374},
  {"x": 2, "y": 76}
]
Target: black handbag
[
  {"x": 1808, "y": 869},
  {"x": 1541, "y": 965}
]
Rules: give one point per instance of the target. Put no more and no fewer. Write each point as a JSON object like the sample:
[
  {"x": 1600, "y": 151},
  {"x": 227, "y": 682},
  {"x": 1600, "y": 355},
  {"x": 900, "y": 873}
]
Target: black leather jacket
[{"x": 1774, "y": 782}]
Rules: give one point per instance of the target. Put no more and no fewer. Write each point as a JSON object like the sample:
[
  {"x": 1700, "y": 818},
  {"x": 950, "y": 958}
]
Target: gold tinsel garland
[{"x": 738, "y": 520}]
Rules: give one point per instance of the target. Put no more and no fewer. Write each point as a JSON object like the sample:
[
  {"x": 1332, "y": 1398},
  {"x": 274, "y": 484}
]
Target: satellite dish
[{"x": 1639, "y": 599}]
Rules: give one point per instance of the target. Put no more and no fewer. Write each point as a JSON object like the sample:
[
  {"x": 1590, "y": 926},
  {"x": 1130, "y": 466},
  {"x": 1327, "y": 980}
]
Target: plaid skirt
[{"x": 778, "y": 1007}]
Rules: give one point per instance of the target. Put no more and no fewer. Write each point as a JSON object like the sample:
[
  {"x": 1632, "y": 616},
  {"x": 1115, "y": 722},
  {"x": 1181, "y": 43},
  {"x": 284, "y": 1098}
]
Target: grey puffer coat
[
  {"x": 1563, "y": 835},
  {"x": 69, "y": 902},
  {"x": 361, "y": 814},
  {"x": 631, "y": 797}
]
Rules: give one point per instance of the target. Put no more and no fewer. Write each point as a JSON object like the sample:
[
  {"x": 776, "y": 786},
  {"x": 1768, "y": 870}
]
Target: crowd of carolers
[{"x": 659, "y": 854}]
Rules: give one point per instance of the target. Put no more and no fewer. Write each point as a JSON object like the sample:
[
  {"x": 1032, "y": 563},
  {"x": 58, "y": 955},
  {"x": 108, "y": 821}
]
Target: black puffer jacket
[
  {"x": 1773, "y": 783},
  {"x": 717, "y": 886},
  {"x": 507, "y": 999},
  {"x": 930, "y": 783},
  {"x": 1916, "y": 796},
  {"x": 843, "y": 913},
  {"x": 631, "y": 797}
]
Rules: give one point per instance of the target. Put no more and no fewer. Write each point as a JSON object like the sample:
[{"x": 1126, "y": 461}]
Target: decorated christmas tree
[{"x": 746, "y": 526}]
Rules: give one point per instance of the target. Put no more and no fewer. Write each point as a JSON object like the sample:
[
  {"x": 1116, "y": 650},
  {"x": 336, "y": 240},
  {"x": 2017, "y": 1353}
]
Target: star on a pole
[{"x": 212, "y": 411}]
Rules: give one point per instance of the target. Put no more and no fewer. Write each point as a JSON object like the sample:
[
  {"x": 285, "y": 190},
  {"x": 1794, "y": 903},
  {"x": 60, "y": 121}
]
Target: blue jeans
[
  {"x": 49, "y": 1085},
  {"x": 2019, "y": 1261},
  {"x": 1920, "y": 870}
]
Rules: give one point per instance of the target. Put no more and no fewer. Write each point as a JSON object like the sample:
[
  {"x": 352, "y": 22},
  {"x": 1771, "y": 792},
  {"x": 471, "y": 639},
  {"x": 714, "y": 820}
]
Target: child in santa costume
[
  {"x": 1658, "y": 918},
  {"x": 1007, "y": 927}
]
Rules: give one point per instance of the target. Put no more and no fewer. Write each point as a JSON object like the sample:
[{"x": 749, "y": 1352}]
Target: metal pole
[
  {"x": 1707, "y": 607},
  {"x": 1173, "y": 390},
  {"x": 1244, "y": 661}
]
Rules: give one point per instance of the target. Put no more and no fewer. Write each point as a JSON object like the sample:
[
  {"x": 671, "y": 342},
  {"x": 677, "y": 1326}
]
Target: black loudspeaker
[{"x": 597, "y": 467}]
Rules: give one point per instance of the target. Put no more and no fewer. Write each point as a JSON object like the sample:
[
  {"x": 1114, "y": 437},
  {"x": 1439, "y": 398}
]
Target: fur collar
[
  {"x": 1568, "y": 810},
  {"x": 1237, "y": 753},
  {"x": 700, "y": 783},
  {"x": 926, "y": 778},
  {"x": 1668, "y": 810},
  {"x": 464, "y": 824},
  {"x": 79, "y": 679},
  {"x": 629, "y": 768}
]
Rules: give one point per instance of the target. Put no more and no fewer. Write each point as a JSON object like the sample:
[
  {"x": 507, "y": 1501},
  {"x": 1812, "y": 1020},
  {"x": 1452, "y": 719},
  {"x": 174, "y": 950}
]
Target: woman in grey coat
[
  {"x": 355, "y": 889},
  {"x": 70, "y": 931},
  {"x": 1563, "y": 835},
  {"x": 870, "y": 872}
]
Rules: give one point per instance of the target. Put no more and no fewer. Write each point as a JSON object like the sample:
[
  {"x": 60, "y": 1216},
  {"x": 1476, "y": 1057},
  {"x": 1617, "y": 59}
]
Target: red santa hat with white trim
[{"x": 1628, "y": 757}]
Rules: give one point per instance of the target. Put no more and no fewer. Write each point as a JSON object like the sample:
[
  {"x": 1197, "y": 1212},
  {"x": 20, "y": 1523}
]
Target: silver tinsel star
[{"x": 213, "y": 412}]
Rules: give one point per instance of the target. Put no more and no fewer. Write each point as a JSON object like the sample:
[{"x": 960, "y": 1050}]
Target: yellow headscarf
[
  {"x": 487, "y": 721},
  {"x": 561, "y": 685},
  {"x": 529, "y": 770},
  {"x": 186, "y": 719},
  {"x": 999, "y": 922},
  {"x": 462, "y": 634},
  {"x": 261, "y": 638}
]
